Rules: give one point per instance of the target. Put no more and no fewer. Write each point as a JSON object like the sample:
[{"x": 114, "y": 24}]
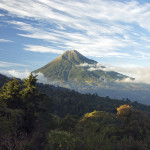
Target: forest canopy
[{"x": 68, "y": 120}]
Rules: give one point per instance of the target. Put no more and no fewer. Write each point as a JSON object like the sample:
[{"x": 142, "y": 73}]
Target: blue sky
[{"x": 112, "y": 32}]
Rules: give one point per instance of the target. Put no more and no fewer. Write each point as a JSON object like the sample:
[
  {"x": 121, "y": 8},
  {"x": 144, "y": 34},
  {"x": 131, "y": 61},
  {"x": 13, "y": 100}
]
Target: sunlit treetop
[
  {"x": 124, "y": 109},
  {"x": 97, "y": 116}
]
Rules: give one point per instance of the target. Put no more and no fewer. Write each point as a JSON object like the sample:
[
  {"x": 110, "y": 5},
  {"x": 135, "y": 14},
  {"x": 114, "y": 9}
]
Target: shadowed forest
[{"x": 35, "y": 116}]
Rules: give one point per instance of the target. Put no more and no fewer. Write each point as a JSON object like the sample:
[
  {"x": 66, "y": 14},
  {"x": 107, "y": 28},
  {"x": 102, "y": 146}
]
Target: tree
[
  {"x": 31, "y": 99},
  {"x": 60, "y": 140},
  {"x": 11, "y": 114},
  {"x": 124, "y": 113},
  {"x": 10, "y": 94},
  {"x": 22, "y": 123},
  {"x": 135, "y": 123},
  {"x": 68, "y": 123}
]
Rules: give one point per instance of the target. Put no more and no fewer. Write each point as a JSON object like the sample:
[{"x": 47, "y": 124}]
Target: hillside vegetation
[{"x": 67, "y": 120}]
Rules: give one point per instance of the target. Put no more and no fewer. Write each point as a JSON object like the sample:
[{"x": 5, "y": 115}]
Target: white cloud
[
  {"x": 42, "y": 49},
  {"x": 71, "y": 11},
  {"x": 143, "y": 55},
  {"x": 15, "y": 73},
  {"x": 86, "y": 65},
  {"x": 33, "y": 32},
  {"x": 140, "y": 73},
  {"x": 24, "y": 74},
  {"x": 4, "y": 40},
  {"x": 41, "y": 78},
  {"x": 1, "y": 15},
  {"x": 99, "y": 46},
  {"x": 10, "y": 64},
  {"x": 93, "y": 67},
  {"x": 107, "y": 45},
  {"x": 96, "y": 28}
]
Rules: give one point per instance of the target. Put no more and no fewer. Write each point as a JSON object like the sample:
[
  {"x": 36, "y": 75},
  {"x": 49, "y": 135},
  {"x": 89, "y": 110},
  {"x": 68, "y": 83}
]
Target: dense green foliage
[
  {"x": 75, "y": 122},
  {"x": 101, "y": 130},
  {"x": 71, "y": 102},
  {"x": 21, "y": 115}
]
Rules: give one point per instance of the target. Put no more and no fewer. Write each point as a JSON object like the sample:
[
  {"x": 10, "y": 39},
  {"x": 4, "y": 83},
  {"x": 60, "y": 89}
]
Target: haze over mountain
[{"x": 74, "y": 71}]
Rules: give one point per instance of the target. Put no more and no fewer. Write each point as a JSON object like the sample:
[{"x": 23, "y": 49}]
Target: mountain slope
[
  {"x": 3, "y": 79},
  {"x": 74, "y": 71},
  {"x": 67, "y": 67}
]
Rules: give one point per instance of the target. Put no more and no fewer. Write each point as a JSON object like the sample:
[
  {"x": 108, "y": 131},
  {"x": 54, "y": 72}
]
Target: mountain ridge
[
  {"x": 74, "y": 55},
  {"x": 72, "y": 70},
  {"x": 67, "y": 67}
]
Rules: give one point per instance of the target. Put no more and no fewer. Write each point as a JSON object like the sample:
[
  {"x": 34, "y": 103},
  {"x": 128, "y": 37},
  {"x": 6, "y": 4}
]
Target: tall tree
[{"x": 10, "y": 94}]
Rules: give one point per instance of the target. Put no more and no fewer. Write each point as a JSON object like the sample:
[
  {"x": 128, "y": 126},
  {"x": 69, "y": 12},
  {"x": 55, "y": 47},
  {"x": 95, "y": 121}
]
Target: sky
[{"x": 112, "y": 32}]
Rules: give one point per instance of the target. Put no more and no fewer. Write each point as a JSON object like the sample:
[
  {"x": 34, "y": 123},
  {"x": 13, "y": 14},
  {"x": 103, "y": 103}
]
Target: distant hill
[
  {"x": 71, "y": 102},
  {"x": 73, "y": 70},
  {"x": 3, "y": 79},
  {"x": 68, "y": 67}
]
